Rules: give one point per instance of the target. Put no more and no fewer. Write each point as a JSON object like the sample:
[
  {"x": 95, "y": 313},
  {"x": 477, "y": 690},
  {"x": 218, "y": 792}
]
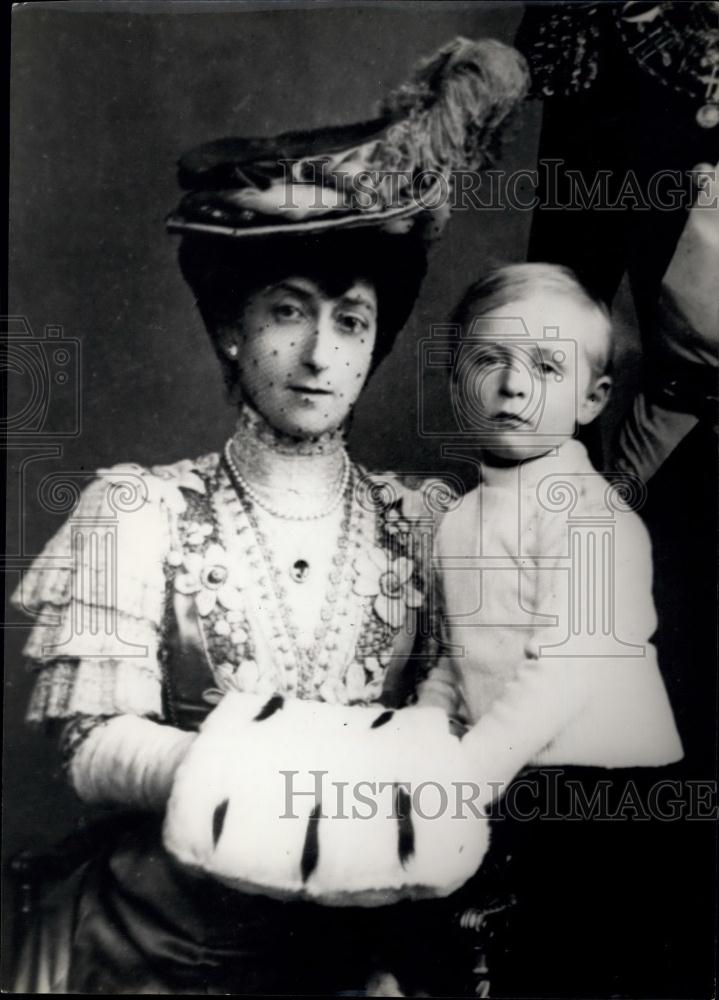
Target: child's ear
[{"x": 595, "y": 399}]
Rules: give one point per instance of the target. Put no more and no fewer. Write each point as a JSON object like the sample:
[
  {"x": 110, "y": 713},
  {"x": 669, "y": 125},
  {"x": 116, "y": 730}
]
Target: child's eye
[
  {"x": 481, "y": 359},
  {"x": 546, "y": 368},
  {"x": 351, "y": 323}
]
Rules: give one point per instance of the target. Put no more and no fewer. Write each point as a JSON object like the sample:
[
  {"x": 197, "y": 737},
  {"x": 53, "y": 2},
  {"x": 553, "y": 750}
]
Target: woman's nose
[{"x": 319, "y": 344}]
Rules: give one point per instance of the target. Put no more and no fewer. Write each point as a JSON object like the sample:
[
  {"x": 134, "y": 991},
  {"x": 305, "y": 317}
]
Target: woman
[{"x": 271, "y": 566}]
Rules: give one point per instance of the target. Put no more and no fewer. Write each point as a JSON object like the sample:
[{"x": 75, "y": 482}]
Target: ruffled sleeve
[{"x": 97, "y": 593}]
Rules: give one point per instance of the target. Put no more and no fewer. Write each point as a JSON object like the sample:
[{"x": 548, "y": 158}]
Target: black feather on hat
[{"x": 394, "y": 171}]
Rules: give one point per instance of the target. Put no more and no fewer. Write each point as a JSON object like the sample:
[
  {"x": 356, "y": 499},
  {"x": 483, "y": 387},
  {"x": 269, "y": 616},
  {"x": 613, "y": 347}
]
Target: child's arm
[
  {"x": 440, "y": 688},
  {"x": 590, "y": 709},
  {"x": 545, "y": 696}
]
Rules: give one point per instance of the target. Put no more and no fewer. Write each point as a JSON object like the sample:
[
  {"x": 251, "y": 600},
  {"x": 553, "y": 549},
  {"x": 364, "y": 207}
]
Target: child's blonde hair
[{"x": 514, "y": 282}]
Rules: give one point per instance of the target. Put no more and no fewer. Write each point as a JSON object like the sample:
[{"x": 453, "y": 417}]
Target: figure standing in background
[{"x": 631, "y": 107}]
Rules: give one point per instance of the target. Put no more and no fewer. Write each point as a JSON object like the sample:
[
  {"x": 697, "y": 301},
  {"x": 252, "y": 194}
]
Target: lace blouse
[{"x": 159, "y": 565}]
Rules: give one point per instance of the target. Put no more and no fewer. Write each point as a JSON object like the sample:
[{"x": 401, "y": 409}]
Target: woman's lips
[{"x": 310, "y": 390}]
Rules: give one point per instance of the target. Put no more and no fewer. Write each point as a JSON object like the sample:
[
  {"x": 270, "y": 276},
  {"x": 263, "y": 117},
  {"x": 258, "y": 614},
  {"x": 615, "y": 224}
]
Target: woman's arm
[
  {"x": 95, "y": 644},
  {"x": 127, "y": 760}
]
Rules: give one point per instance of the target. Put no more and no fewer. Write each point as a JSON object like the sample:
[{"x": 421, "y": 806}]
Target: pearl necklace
[
  {"x": 309, "y": 666},
  {"x": 253, "y": 495}
]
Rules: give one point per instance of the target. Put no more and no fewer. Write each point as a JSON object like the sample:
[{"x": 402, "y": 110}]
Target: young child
[{"x": 547, "y": 573}]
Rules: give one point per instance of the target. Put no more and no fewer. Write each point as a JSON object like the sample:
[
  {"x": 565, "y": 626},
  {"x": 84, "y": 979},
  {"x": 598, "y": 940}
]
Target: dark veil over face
[{"x": 223, "y": 273}]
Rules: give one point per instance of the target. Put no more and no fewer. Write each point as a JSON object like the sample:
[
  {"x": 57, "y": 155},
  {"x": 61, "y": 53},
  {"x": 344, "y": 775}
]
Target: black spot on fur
[
  {"x": 218, "y": 820},
  {"x": 311, "y": 850},
  {"x": 273, "y": 705},
  {"x": 382, "y": 719},
  {"x": 405, "y": 829}
]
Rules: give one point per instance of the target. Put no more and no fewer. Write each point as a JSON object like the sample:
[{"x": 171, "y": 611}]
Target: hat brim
[{"x": 177, "y": 224}]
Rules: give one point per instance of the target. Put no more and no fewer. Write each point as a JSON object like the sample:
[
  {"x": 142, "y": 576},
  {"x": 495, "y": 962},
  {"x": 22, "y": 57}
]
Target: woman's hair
[
  {"x": 223, "y": 273},
  {"x": 515, "y": 282}
]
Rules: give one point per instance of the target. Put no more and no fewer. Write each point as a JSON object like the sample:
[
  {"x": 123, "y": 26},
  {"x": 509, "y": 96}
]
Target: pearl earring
[{"x": 232, "y": 350}]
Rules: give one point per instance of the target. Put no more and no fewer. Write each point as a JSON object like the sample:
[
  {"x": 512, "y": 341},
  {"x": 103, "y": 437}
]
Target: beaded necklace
[{"x": 294, "y": 656}]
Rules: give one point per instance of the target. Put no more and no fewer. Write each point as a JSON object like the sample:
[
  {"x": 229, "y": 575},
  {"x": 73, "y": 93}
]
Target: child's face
[{"x": 530, "y": 387}]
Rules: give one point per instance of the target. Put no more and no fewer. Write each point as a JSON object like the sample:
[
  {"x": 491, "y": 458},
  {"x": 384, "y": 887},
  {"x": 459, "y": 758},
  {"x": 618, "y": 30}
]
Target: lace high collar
[
  {"x": 279, "y": 466},
  {"x": 253, "y": 426}
]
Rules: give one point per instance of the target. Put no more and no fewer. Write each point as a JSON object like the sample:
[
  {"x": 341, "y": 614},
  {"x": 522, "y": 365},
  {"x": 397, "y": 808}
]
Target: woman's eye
[
  {"x": 287, "y": 311},
  {"x": 350, "y": 323}
]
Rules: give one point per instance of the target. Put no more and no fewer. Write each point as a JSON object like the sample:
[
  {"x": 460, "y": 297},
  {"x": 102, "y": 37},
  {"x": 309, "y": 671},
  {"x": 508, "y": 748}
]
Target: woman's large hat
[{"x": 394, "y": 171}]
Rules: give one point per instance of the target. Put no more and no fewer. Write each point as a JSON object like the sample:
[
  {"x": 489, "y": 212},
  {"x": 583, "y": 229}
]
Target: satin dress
[{"x": 128, "y": 918}]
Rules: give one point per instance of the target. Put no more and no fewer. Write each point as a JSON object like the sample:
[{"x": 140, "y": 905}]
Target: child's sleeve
[
  {"x": 441, "y": 686},
  {"x": 605, "y": 706}
]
